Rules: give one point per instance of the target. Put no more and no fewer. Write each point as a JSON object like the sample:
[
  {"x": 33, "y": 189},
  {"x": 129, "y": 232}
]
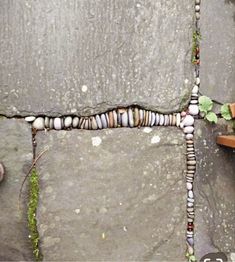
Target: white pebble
[
  {"x": 178, "y": 119},
  {"x": 195, "y": 89},
  {"x": 68, "y": 121},
  {"x": 161, "y": 120},
  {"x": 188, "y": 120},
  {"x": 75, "y": 122},
  {"x": 193, "y": 109},
  {"x": 155, "y": 139},
  {"x": 189, "y": 136},
  {"x": 98, "y": 121},
  {"x": 189, "y": 186},
  {"x": 190, "y": 193},
  {"x": 130, "y": 117},
  {"x": 57, "y": 123},
  {"x": 197, "y": 8},
  {"x": 30, "y": 118},
  {"x": 39, "y": 123},
  {"x": 188, "y": 129},
  {"x": 153, "y": 118},
  {"x": 125, "y": 119}
]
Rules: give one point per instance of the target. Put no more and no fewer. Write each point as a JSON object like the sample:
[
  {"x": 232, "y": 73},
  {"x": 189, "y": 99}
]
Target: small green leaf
[
  {"x": 192, "y": 258},
  {"x": 225, "y": 112},
  {"x": 212, "y": 117},
  {"x": 205, "y": 104}
]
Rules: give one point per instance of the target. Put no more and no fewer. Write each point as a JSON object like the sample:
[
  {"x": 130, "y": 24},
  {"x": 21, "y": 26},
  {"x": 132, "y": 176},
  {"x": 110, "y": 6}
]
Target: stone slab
[
  {"x": 113, "y": 195},
  {"x": 85, "y": 57},
  {"x": 218, "y": 50},
  {"x": 214, "y": 191},
  {"x": 16, "y": 155}
]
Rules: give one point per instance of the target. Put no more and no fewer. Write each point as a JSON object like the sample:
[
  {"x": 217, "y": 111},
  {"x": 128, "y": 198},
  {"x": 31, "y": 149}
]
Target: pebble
[
  {"x": 197, "y": 15},
  {"x": 141, "y": 115},
  {"x": 197, "y": 81},
  {"x": 188, "y": 129},
  {"x": 39, "y": 123},
  {"x": 170, "y": 119},
  {"x": 189, "y": 142},
  {"x": 68, "y": 121},
  {"x": 193, "y": 109},
  {"x": 75, "y": 122},
  {"x": 104, "y": 121},
  {"x": 191, "y": 162},
  {"x": 149, "y": 118},
  {"x": 189, "y": 136},
  {"x": 115, "y": 122},
  {"x": 197, "y": 2},
  {"x": 146, "y": 118},
  {"x": 190, "y": 250},
  {"x": 189, "y": 204},
  {"x": 178, "y": 119},
  {"x": 190, "y": 241},
  {"x": 190, "y": 220},
  {"x": 190, "y": 199},
  {"x": 57, "y": 123},
  {"x": 161, "y": 120},
  {"x": 191, "y": 167},
  {"x": 86, "y": 123},
  {"x": 190, "y": 194},
  {"x": 130, "y": 117},
  {"x": 174, "y": 120},
  {"x": 188, "y": 120},
  {"x": 107, "y": 118},
  {"x": 153, "y": 119},
  {"x": 30, "y": 118},
  {"x": 189, "y": 186},
  {"x": 136, "y": 117},
  {"x": 197, "y": 8},
  {"x": 111, "y": 120},
  {"x": 157, "y": 119},
  {"x": 98, "y": 121},
  {"x": 51, "y": 123},
  {"x": 183, "y": 113},
  {"x": 195, "y": 89},
  {"x": 194, "y": 102},
  {"x": 94, "y": 125},
  {"x": 166, "y": 120},
  {"x": 125, "y": 119}
]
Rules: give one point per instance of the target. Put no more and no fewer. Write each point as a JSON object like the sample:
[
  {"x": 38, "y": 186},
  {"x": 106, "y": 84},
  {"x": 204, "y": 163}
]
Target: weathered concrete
[
  {"x": 214, "y": 191},
  {"x": 218, "y": 50},
  {"x": 84, "y": 57},
  {"x": 16, "y": 154},
  {"x": 113, "y": 195}
]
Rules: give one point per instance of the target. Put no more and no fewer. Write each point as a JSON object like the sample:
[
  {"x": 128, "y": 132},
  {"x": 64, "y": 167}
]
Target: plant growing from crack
[
  {"x": 32, "y": 209},
  {"x": 206, "y": 106},
  {"x": 191, "y": 258}
]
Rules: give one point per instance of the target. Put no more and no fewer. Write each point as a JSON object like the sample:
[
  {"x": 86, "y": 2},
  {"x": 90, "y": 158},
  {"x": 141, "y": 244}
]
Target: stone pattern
[
  {"x": 16, "y": 154},
  {"x": 118, "y": 196},
  {"x": 214, "y": 191},
  {"x": 87, "y": 57}
]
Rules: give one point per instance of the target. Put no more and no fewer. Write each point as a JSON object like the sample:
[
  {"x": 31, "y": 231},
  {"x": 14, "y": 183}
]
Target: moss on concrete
[{"x": 32, "y": 209}]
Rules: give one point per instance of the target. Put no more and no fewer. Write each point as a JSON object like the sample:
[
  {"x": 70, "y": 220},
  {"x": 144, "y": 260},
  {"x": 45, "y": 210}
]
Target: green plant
[
  {"x": 195, "y": 47},
  {"x": 191, "y": 258},
  {"x": 206, "y": 105},
  {"x": 32, "y": 209}
]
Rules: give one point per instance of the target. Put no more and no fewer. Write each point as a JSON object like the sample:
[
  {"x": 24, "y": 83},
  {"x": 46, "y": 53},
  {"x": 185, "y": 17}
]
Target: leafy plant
[{"x": 205, "y": 106}]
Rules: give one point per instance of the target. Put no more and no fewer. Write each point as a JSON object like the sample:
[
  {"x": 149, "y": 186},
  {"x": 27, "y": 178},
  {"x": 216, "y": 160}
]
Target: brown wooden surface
[
  {"x": 232, "y": 109},
  {"x": 226, "y": 141}
]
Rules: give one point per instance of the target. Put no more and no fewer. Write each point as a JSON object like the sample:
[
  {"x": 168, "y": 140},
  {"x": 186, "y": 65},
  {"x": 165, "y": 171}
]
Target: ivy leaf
[
  {"x": 205, "y": 104},
  {"x": 212, "y": 117},
  {"x": 225, "y": 112}
]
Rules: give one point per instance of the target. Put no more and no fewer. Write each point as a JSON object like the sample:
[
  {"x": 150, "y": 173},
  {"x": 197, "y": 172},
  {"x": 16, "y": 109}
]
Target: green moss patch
[{"x": 32, "y": 209}]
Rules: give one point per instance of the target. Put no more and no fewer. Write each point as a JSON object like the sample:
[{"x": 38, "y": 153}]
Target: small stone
[
  {"x": 190, "y": 220},
  {"x": 149, "y": 118},
  {"x": 188, "y": 129},
  {"x": 157, "y": 119},
  {"x": 197, "y": 2},
  {"x": 190, "y": 146},
  {"x": 194, "y": 96},
  {"x": 188, "y": 120},
  {"x": 161, "y": 120},
  {"x": 104, "y": 121},
  {"x": 39, "y": 123},
  {"x": 190, "y": 210},
  {"x": 115, "y": 122},
  {"x": 146, "y": 118},
  {"x": 197, "y": 81},
  {"x": 183, "y": 113},
  {"x": 47, "y": 122},
  {"x": 190, "y": 199},
  {"x": 191, "y": 162},
  {"x": 125, "y": 119},
  {"x": 197, "y": 15},
  {"x": 190, "y": 149},
  {"x": 136, "y": 117},
  {"x": 194, "y": 102},
  {"x": 130, "y": 118},
  {"x": 153, "y": 119},
  {"x": 173, "y": 120},
  {"x": 107, "y": 118},
  {"x": 195, "y": 89},
  {"x": 141, "y": 115},
  {"x": 189, "y": 204},
  {"x": 178, "y": 119},
  {"x": 189, "y": 186},
  {"x": 189, "y": 136},
  {"x": 94, "y": 125},
  {"x": 57, "y": 123},
  {"x": 68, "y": 121},
  {"x": 189, "y": 142},
  {"x": 111, "y": 120},
  {"x": 190, "y": 241},
  {"x": 190, "y": 194},
  {"x": 51, "y": 123},
  {"x": 30, "y": 118},
  {"x": 81, "y": 123},
  {"x": 197, "y": 8},
  {"x": 170, "y": 120},
  {"x": 193, "y": 109},
  {"x": 86, "y": 123},
  {"x": 75, "y": 122},
  {"x": 166, "y": 120}
]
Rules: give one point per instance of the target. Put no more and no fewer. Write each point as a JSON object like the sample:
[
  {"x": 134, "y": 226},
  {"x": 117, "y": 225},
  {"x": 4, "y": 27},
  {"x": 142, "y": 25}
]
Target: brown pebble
[
  {"x": 136, "y": 117},
  {"x": 191, "y": 162},
  {"x": 115, "y": 122},
  {"x": 189, "y": 142},
  {"x": 111, "y": 120},
  {"x": 146, "y": 117},
  {"x": 191, "y": 167},
  {"x": 93, "y": 123},
  {"x": 173, "y": 120}
]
